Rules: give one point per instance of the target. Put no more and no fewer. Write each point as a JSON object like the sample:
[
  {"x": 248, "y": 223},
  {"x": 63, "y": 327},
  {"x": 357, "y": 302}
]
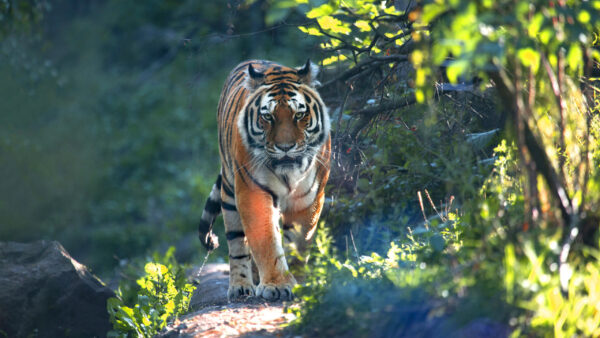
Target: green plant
[
  {"x": 354, "y": 292},
  {"x": 163, "y": 294}
]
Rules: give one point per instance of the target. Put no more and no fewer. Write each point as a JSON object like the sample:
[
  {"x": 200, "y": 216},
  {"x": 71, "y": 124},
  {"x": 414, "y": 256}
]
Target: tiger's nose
[{"x": 285, "y": 146}]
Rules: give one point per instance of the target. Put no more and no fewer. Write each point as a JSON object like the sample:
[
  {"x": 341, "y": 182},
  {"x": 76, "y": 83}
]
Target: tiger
[{"x": 274, "y": 145}]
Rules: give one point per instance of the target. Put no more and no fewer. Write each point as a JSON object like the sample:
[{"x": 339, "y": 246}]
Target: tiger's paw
[
  {"x": 240, "y": 291},
  {"x": 272, "y": 292}
]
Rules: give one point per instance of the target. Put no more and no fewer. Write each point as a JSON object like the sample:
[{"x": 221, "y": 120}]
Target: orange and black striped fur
[{"x": 275, "y": 146}]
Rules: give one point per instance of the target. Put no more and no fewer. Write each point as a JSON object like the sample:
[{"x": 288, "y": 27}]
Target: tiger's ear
[
  {"x": 308, "y": 74},
  {"x": 255, "y": 78}
]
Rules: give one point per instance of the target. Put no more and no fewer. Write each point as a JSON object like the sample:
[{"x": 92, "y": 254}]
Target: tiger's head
[{"x": 284, "y": 123}]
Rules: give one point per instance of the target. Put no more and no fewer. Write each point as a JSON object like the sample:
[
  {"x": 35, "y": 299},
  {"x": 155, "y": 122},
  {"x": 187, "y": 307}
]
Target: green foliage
[
  {"x": 162, "y": 294},
  {"x": 537, "y": 286},
  {"x": 536, "y": 75},
  {"x": 486, "y": 266},
  {"x": 346, "y": 292},
  {"x": 352, "y": 28},
  {"x": 21, "y": 15}
]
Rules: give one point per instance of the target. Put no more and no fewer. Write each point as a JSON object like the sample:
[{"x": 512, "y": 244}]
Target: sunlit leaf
[
  {"x": 529, "y": 58},
  {"x": 456, "y": 69},
  {"x": 310, "y": 30},
  {"x": 363, "y": 25},
  {"x": 320, "y": 11},
  {"x": 535, "y": 24},
  {"x": 334, "y": 25},
  {"x": 583, "y": 16},
  {"x": 417, "y": 57},
  {"x": 334, "y": 59},
  {"x": 420, "y": 77},
  {"x": 419, "y": 96},
  {"x": 574, "y": 57}
]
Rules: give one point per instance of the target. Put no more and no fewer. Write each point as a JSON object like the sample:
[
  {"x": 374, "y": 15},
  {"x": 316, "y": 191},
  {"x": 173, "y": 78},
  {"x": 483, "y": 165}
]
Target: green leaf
[
  {"x": 583, "y": 16},
  {"x": 332, "y": 24},
  {"x": 276, "y": 15},
  {"x": 575, "y": 57},
  {"x": 455, "y": 69},
  {"x": 535, "y": 24},
  {"x": 432, "y": 11},
  {"x": 310, "y": 31},
  {"x": 363, "y": 25},
  {"x": 334, "y": 59},
  {"x": 529, "y": 58},
  {"x": 320, "y": 11}
]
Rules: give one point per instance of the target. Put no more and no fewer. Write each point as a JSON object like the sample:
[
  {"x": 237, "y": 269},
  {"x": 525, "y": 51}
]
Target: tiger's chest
[{"x": 295, "y": 190}]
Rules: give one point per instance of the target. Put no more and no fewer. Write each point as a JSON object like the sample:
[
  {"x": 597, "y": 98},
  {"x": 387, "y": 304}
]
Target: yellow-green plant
[{"x": 161, "y": 297}]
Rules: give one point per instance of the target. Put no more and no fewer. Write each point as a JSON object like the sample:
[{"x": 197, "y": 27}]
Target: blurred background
[{"x": 108, "y": 118}]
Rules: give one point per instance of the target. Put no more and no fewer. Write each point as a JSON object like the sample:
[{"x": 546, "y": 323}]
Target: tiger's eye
[
  {"x": 299, "y": 115},
  {"x": 267, "y": 117}
]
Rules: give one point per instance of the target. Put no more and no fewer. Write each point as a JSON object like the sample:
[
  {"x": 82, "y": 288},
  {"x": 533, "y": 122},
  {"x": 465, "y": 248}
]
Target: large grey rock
[{"x": 46, "y": 293}]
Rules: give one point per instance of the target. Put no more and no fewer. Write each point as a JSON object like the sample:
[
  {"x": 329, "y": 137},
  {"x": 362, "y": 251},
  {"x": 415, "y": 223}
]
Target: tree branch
[{"x": 364, "y": 65}]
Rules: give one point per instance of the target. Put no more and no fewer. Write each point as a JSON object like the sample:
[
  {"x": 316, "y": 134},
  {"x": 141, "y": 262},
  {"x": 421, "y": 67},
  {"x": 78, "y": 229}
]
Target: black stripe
[
  {"x": 285, "y": 180},
  {"x": 228, "y": 206},
  {"x": 318, "y": 141},
  {"x": 319, "y": 119},
  {"x": 307, "y": 98},
  {"x": 213, "y": 207},
  {"x": 231, "y": 235},
  {"x": 288, "y": 226},
  {"x": 218, "y": 183},
  {"x": 266, "y": 189},
  {"x": 239, "y": 257},
  {"x": 227, "y": 189},
  {"x": 237, "y": 170},
  {"x": 250, "y": 116},
  {"x": 203, "y": 227},
  {"x": 282, "y": 72},
  {"x": 238, "y": 94}
]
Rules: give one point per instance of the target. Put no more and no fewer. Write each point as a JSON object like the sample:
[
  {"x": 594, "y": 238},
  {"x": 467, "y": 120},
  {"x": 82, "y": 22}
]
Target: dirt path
[{"x": 212, "y": 316}]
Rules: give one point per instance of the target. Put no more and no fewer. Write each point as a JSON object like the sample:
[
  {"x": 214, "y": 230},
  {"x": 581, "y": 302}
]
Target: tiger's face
[{"x": 285, "y": 122}]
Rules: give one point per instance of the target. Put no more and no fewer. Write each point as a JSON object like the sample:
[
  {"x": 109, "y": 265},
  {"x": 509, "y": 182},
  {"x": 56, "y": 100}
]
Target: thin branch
[{"x": 363, "y": 66}]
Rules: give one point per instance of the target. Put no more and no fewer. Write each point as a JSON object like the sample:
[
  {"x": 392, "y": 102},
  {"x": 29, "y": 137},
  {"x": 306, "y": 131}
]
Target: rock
[
  {"x": 211, "y": 285},
  {"x": 46, "y": 293}
]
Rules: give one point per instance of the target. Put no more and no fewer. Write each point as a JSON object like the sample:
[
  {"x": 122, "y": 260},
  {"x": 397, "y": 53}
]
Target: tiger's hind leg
[{"x": 240, "y": 260}]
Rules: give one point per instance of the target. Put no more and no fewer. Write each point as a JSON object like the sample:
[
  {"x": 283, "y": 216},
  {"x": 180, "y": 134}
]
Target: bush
[{"x": 161, "y": 295}]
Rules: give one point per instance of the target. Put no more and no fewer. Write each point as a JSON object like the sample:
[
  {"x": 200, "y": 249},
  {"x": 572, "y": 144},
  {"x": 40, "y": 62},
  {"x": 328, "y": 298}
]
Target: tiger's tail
[{"x": 212, "y": 209}]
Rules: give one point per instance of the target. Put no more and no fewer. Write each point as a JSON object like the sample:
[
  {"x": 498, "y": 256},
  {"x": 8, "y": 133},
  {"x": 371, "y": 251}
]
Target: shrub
[{"x": 163, "y": 294}]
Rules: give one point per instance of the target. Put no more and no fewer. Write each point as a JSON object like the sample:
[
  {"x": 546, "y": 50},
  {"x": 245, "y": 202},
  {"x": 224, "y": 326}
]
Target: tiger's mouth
[{"x": 286, "y": 161}]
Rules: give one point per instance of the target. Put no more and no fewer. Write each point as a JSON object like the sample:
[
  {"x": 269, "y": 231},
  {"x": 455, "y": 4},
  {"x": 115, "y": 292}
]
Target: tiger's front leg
[
  {"x": 299, "y": 227},
  {"x": 260, "y": 220}
]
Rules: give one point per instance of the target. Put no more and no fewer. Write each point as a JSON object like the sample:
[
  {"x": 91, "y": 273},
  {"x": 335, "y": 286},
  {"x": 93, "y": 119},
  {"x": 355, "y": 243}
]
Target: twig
[
  {"x": 422, "y": 209},
  {"x": 354, "y": 245},
  {"x": 433, "y": 205}
]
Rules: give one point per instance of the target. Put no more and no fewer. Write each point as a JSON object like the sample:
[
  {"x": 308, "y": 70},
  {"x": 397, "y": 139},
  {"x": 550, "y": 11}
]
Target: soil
[{"x": 212, "y": 316}]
